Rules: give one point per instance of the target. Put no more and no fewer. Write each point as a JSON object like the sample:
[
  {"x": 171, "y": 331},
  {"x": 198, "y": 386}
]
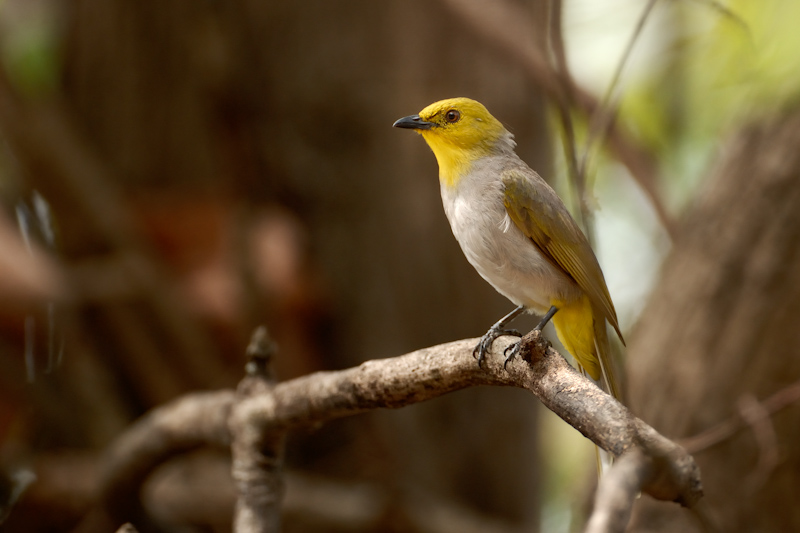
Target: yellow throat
[{"x": 458, "y": 131}]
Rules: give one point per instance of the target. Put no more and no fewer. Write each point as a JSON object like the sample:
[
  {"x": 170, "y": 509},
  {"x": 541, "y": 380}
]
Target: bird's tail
[
  {"x": 604, "y": 355},
  {"x": 582, "y": 330}
]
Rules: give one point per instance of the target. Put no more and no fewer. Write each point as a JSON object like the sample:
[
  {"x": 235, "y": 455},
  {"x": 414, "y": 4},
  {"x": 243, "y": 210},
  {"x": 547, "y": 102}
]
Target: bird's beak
[{"x": 413, "y": 122}]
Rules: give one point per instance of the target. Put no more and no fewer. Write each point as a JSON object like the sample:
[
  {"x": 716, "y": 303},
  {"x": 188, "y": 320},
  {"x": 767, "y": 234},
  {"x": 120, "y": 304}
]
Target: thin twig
[
  {"x": 754, "y": 414},
  {"x": 730, "y": 427},
  {"x": 602, "y": 120},
  {"x": 564, "y": 107},
  {"x": 726, "y": 12}
]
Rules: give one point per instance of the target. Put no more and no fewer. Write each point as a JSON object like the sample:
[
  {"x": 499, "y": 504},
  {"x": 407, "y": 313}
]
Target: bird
[{"x": 518, "y": 234}]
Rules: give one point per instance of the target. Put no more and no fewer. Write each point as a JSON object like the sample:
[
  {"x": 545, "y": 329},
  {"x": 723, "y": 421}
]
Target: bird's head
[{"x": 458, "y": 131}]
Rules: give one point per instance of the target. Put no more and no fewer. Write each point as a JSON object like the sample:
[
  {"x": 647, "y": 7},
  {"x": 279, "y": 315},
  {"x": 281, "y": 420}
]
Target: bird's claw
[
  {"x": 514, "y": 349},
  {"x": 479, "y": 352},
  {"x": 483, "y": 346}
]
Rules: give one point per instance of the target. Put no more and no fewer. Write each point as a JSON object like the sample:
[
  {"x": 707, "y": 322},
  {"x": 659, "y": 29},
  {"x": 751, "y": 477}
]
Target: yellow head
[{"x": 459, "y": 131}]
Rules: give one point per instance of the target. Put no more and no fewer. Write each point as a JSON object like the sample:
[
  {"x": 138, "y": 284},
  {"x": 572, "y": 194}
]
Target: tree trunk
[{"x": 721, "y": 328}]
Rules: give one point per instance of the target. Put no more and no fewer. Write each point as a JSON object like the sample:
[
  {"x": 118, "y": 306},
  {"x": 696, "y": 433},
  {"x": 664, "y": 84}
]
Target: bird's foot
[
  {"x": 511, "y": 352},
  {"x": 483, "y": 346}
]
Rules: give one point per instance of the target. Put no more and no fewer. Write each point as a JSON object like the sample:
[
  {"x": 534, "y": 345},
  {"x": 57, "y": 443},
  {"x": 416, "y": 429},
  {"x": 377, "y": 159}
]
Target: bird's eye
[{"x": 452, "y": 116}]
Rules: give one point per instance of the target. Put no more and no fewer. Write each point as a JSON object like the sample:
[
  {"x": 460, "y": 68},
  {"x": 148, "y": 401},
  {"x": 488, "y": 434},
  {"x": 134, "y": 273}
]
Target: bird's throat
[{"x": 454, "y": 162}]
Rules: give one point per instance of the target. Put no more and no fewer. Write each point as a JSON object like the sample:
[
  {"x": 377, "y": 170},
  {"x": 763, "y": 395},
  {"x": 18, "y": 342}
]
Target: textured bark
[
  {"x": 617, "y": 491},
  {"x": 257, "y": 455},
  {"x": 720, "y": 330},
  {"x": 256, "y": 420}
]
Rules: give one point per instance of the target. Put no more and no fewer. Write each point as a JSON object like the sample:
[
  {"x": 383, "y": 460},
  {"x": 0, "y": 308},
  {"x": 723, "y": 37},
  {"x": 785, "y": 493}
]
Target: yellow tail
[{"x": 582, "y": 331}]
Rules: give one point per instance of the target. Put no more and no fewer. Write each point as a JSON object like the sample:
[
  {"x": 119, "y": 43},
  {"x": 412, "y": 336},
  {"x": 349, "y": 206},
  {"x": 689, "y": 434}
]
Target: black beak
[{"x": 413, "y": 122}]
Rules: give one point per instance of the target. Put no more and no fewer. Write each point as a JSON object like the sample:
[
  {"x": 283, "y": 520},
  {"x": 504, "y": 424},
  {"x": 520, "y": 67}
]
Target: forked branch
[{"x": 265, "y": 415}]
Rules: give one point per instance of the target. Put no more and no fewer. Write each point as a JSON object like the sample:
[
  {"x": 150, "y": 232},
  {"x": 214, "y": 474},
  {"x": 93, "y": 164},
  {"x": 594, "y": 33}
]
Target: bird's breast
[{"x": 498, "y": 249}]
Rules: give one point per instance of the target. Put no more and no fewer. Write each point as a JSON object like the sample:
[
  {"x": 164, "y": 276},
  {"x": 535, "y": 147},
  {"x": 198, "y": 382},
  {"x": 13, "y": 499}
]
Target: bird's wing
[{"x": 541, "y": 215}]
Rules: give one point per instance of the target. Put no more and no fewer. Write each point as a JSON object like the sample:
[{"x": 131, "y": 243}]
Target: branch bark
[
  {"x": 257, "y": 454},
  {"x": 617, "y": 491},
  {"x": 266, "y": 414}
]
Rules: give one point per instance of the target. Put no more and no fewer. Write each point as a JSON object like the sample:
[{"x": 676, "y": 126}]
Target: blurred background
[{"x": 176, "y": 173}]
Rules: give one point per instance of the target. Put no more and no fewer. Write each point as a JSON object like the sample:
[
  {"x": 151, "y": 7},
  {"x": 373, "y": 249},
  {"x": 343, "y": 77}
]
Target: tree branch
[
  {"x": 617, "y": 491},
  {"x": 257, "y": 454},
  {"x": 190, "y": 422},
  {"x": 266, "y": 415}
]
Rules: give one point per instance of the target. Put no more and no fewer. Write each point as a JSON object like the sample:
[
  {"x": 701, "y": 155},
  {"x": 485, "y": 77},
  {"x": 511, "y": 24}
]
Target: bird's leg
[
  {"x": 512, "y": 350},
  {"x": 497, "y": 330},
  {"x": 546, "y": 318}
]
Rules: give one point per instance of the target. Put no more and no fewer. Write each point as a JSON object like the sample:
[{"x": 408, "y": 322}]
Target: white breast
[{"x": 498, "y": 249}]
